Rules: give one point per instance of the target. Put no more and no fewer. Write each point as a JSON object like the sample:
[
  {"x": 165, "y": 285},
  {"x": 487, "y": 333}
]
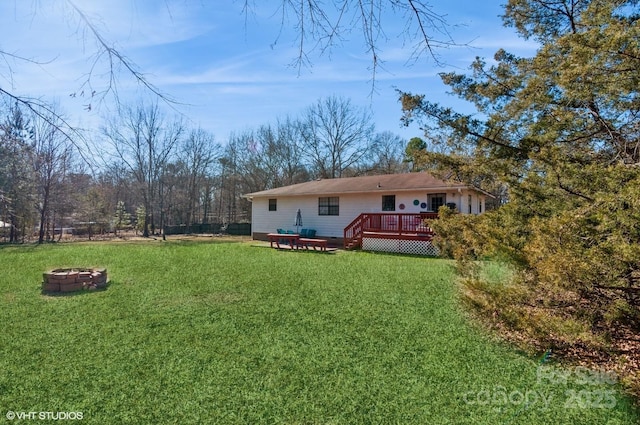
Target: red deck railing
[{"x": 388, "y": 223}]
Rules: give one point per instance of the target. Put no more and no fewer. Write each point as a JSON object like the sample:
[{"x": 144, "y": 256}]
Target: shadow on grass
[
  {"x": 400, "y": 254},
  {"x": 329, "y": 251},
  {"x": 79, "y": 293}
]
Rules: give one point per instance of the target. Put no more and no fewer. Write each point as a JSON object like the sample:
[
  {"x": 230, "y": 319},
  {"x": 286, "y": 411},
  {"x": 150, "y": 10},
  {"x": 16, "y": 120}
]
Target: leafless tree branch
[
  {"x": 51, "y": 116},
  {"x": 321, "y": 27},
  {"x": 114, "y": 58}
]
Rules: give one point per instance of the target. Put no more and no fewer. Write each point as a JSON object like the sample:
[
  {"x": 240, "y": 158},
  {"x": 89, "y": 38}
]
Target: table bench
[
  {"x": 291, "y": 238},
  {"x": 306, "y": 242}
]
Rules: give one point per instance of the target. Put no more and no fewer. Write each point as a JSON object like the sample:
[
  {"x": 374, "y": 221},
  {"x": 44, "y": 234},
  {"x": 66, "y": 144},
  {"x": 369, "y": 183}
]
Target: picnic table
[
  {"x": 293, "y": 240},
  {"x": 290, "y": 238}
]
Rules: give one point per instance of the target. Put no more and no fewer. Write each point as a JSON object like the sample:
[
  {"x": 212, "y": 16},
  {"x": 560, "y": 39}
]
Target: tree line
[{"x": 146, "y": 169}]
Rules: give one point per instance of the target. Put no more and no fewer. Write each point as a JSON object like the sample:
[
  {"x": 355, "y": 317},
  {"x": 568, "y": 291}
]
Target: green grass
[{"x": 234, "y": 333}]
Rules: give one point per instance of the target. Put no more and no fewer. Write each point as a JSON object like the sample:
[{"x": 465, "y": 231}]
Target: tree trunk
[
  {"x": 43, "y": 216},
  {"x": 13, "y": 234},
  {"x": 145, "y": 230}
]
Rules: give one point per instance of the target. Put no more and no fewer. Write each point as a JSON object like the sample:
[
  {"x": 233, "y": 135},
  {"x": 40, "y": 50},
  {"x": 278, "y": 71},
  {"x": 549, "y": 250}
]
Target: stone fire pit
[{"x": 71, "y": 280}]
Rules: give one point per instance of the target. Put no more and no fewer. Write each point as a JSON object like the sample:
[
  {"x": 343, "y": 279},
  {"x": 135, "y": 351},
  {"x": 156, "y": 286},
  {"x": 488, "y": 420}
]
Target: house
[{"x": 341, "y": 209}]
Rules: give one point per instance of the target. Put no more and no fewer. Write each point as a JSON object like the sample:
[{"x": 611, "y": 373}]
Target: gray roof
[{"x": 364, "y": 184}]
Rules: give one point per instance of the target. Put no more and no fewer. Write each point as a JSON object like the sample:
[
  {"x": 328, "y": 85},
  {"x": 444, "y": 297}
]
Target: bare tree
[
  {"x": 335, "y": 135},
  {"x": 198, "y": 154},
  {"x": 270, "y": 156},
  {"x": 51, "y": 158},
  {"x": 143, "y": 141},
  {"x": 230, "y": 183},
  {"x": 387, "y": 154},
  {"x": 281, "y": 143}
]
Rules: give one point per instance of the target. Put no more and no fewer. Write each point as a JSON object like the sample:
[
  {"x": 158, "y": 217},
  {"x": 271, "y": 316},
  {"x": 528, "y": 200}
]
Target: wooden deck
[{"x": 398, "y": 226}]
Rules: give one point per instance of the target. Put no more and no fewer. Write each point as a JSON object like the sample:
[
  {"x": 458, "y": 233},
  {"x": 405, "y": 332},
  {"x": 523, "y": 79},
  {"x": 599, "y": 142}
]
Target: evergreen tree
[
  {"x": 16, "y": 172},
  {"x": 121, "y": 219},
  {"x": 562, "y": 131}
]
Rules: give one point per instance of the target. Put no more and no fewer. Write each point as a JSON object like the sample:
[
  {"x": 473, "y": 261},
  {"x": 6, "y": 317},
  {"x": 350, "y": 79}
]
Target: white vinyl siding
[{"x": 351, "y": 206}]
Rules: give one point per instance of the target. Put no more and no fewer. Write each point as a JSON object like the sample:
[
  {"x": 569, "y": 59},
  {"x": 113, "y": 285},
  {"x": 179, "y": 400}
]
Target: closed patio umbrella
[{"x": 298, "y": 222}]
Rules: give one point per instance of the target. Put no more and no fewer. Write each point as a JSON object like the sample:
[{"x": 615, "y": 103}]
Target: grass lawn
[{"x": 191, "y": 332}]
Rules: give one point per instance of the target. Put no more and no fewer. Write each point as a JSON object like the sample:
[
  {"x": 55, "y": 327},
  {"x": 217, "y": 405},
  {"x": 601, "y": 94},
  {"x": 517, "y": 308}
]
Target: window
[
  {"x": 389, "y": 203},
  {"x": 329, "y": 205},
  {"x": 480, "y": 206},
  {"x": 273, "y": 205},
  {"x": 470, "y": 203},
  {"x": 436, "y": 200}
]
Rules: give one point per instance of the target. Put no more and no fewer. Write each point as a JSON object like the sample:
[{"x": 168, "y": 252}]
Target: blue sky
[{"x": 224, "y": 67}]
